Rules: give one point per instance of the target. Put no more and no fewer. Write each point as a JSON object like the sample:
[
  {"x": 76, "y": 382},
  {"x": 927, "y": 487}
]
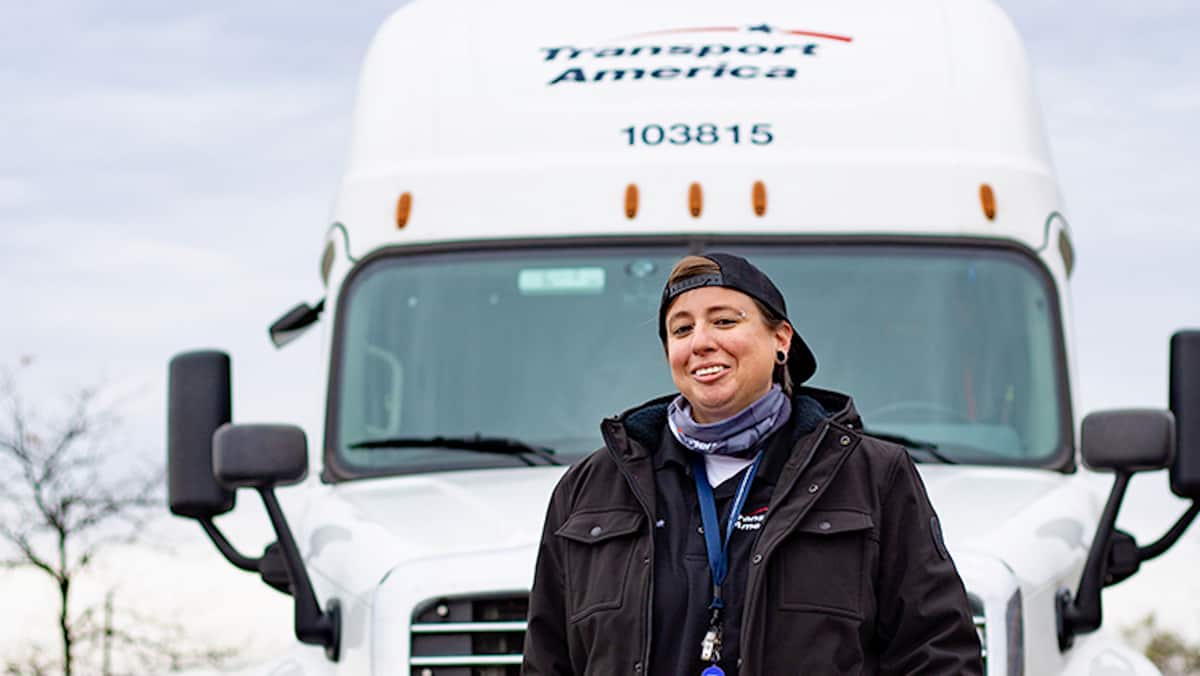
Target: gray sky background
[{"x": 166, "y": 172}]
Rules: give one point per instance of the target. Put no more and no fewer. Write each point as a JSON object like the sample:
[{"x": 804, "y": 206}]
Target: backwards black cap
[{"x": 739, "y": 274}]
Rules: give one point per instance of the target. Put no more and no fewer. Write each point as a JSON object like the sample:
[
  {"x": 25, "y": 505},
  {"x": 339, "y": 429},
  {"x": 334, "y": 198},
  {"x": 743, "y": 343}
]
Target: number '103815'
[{"x": 706, "y": 134}]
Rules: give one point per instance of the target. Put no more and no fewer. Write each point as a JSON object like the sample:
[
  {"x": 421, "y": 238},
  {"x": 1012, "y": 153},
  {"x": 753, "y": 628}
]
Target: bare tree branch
[
  {"x": 28, "y": 555},
  {"x": 146, "y": 643},
  {"x": 33, "y": 663},
  {"x": 61, "y": 506}
]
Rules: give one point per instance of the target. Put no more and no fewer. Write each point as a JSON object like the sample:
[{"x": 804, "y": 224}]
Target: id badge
[{"x": 710, "y": 647}]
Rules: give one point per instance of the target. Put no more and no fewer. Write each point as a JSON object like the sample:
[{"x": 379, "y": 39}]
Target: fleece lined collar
[{"x": 643, "y": 424}]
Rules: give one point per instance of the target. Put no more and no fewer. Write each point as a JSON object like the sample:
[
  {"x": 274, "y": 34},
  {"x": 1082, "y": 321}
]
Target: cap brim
[{"x": 801, "y": 362}]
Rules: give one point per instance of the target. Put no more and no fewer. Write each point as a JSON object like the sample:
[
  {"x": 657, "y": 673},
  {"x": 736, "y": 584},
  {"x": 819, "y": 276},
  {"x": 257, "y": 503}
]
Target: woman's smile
[{"x": 708, "y": 374}]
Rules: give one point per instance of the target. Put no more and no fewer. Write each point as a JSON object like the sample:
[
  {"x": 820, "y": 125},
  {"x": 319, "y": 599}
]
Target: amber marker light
[
  {"x": 1067, "y": 251},
  {"x": 403, "y": 208},
  {"x": 631, "y": 200},
  {"x": 695, "y": 200},
  {"x": 327, "y": 257},
  {"x": 758, "y": 197},
  {"x": 987, "y": 198}
]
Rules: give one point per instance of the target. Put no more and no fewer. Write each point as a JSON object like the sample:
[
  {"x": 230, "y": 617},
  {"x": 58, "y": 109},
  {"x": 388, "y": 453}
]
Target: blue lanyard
[{"x": 718, "y": 552}]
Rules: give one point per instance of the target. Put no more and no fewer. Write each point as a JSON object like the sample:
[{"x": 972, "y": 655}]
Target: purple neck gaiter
[{"x": 738, "y": 435}]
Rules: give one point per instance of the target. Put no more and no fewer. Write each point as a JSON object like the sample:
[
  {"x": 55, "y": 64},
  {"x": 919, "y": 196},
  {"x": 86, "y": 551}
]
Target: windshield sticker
[
  {"x": 560, "y": 281},
  {"x": 713, "y": 60}
]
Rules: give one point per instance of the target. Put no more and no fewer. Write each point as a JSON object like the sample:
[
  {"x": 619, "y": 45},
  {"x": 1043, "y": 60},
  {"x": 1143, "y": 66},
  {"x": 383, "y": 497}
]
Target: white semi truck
[{"x": 520, "y": 179}]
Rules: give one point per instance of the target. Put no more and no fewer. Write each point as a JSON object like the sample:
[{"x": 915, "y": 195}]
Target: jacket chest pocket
[
  {"x": 822, "y": 563},
  {"x": 600, "y": 549}
]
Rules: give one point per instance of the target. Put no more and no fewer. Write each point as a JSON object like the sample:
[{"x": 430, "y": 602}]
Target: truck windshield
[{"x": 957, "y": 347}]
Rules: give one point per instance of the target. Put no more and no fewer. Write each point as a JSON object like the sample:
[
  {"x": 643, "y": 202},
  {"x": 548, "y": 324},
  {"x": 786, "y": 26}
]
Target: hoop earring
[{"x": 780, "y": 357}]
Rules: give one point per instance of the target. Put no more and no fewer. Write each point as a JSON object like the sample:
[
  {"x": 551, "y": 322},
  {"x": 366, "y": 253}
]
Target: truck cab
[{"x": 521, "y": 178}]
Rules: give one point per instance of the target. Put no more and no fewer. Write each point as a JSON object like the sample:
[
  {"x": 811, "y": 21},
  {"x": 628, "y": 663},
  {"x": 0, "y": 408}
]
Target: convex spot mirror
[
  {"x": 259, "y": 455},
  {"x": 295, "y": 322},
  {"x": 1129, "y": 440}
]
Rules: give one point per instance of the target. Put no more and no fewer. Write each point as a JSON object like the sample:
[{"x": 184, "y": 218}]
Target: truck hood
[
  {"x": 356, "y": 532},
  {"x": 971, "y": 501},
  {"x": 997, "y": 512},
  {"x": 455, "y": 512},
  {"x": 1038, "y": 523}
]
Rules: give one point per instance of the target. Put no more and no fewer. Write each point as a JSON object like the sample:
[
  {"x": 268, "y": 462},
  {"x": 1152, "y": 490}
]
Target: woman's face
[{"x": 721, "y": 351}]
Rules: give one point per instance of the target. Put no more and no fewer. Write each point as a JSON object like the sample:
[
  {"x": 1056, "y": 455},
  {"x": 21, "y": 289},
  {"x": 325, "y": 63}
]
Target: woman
[{"x": 742, "y": 527}]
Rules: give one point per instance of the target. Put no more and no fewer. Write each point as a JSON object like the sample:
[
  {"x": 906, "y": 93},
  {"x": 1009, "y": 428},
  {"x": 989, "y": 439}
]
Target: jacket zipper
[
  {"x": 752, "y": 598},
  {"x": 648, "y": 619}
]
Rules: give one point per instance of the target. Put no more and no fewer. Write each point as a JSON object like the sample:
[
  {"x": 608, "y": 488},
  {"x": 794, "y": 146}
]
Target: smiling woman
[{"x": 777, "y": 523}]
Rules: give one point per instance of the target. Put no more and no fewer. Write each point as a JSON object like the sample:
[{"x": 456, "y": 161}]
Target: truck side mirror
[
  {"x": 263, "y": 457},
  {"x": 198, "y": 402},
  {"x": 1132, "y": 440},
  {"x": 257, "y": 456},
  {"x": 1124, "y": 442},
  {"x": 1185, "y": 404}
]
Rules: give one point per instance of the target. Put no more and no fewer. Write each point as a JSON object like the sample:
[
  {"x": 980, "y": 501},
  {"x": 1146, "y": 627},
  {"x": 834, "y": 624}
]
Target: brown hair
[{"x": 695, "y": 266}]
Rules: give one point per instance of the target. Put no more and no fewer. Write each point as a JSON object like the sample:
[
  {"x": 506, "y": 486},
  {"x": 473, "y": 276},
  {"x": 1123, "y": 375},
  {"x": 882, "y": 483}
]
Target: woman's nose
[{"x": 702, "y": 339}]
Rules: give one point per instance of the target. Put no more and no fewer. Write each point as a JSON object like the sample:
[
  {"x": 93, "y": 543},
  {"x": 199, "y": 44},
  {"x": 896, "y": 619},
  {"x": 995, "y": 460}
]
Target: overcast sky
[{"x": 166, "y": 172}]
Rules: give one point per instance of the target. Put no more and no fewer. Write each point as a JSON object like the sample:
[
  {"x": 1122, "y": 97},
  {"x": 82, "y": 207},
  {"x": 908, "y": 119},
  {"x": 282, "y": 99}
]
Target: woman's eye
[
  {"x": 725, "y": 321},
  {"x": 681, "y": 330}
]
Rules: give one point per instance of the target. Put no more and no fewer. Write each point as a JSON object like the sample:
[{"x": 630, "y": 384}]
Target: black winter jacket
[{"x": 849, "y": 574}]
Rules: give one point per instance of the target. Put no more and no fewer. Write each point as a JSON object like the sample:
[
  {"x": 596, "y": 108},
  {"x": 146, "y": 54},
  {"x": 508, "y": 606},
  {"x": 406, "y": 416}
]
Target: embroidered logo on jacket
[{"x": 753, "y": 520}]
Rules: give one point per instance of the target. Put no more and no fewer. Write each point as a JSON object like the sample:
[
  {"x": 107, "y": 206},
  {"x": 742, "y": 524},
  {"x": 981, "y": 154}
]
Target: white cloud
[
  {"x": 16, "y": 192},
  {"x": 106, "y": 247},
  {"x": 173, "y": 35},
  {"x": 128, "y": 121},
  {"x": 1181, "y": 99}
]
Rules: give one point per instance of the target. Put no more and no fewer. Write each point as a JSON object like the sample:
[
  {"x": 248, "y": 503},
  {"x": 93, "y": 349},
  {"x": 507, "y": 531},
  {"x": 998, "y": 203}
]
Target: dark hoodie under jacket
[{"x": 848, "y": 576}]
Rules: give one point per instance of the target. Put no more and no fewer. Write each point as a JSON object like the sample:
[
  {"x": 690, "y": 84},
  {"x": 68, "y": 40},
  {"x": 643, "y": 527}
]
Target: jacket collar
[{"x": 637, "y": 433}]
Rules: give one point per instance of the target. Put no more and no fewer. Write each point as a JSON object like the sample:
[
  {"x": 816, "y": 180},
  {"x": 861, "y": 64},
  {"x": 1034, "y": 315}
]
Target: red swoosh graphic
[
  {"x": 828, "y": 36},
  {"x": 735, "y": 29}
]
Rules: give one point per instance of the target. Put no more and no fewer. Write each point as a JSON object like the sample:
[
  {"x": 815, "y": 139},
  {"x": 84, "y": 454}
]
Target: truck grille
[
  {"x": 469, "y": 635},
  {"x": 484, "y": 635},
  {"x": 980, "y": 619}
]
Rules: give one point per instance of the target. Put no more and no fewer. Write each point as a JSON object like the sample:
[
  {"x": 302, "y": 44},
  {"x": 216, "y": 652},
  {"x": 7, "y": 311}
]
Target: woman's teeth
[{"x": 708, "y": 371}]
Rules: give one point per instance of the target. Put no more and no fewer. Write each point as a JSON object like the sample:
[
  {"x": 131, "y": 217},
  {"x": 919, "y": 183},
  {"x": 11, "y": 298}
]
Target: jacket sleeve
[
  {"x": 924, "y": 622},
  {"x": 545, "y": 649}
]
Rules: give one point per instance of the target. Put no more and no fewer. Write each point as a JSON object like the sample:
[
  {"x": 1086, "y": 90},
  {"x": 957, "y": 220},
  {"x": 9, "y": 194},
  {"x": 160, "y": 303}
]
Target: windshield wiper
[
  {"x": 500, "y": 445},
  {"x": 927, "y": 447}
]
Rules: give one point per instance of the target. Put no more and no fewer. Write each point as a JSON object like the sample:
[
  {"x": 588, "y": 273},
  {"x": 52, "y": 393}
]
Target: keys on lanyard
[
  {"x": 710, "y": 647},
  {"x": 718, "y": 554}
]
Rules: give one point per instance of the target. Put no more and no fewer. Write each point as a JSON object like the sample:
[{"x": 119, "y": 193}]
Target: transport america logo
[
  {"x": 759, "y": 51},
  {"x": 752, "y": 521}
]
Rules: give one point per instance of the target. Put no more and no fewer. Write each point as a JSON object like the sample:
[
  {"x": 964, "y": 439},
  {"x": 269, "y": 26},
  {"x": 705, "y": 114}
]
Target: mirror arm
[
  {"x": 227, "y": 550},
  {"x": 1168, "y": 540},
  {"x": 311, "y": 624},
  {"x": 1083, "y": 614}
]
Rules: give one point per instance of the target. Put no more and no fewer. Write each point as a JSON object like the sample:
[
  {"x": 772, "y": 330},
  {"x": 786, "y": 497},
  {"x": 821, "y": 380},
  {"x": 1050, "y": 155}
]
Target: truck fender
[{"x": 1103, "y": 654}]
